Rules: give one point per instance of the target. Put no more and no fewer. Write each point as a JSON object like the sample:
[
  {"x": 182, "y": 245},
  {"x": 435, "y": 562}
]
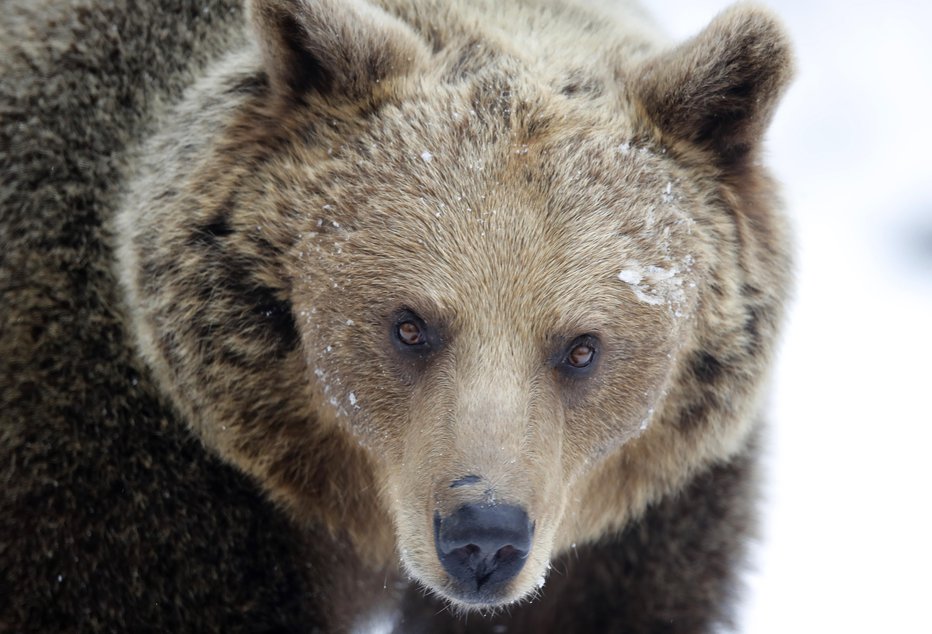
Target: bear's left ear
[
  {"x": 333, "y": 47},
  {"x": 718, "y": 90}
]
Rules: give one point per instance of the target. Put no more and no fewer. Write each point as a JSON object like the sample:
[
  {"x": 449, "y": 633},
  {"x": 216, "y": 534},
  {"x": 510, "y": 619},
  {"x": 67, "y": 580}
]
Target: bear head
[{"x": 454, "y": 301}]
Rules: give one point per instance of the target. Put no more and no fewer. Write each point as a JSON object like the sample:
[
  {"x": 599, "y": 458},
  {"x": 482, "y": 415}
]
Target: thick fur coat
[{"x": 289, "y": 289}]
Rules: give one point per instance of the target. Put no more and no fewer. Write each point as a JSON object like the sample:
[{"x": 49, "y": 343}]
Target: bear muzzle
[{"x": 482, "y": 547}]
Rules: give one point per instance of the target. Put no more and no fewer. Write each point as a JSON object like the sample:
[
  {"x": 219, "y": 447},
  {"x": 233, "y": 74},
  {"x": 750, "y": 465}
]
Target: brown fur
[{"x": 493, "y": 167}]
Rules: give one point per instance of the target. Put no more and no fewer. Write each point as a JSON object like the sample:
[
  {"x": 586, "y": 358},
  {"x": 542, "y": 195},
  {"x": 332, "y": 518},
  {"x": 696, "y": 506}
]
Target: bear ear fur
[
  {"x": 718, "y": 90},
  {"x": 333, "y": 47}
]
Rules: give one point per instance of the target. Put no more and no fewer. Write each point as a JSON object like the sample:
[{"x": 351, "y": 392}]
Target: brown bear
[{"x": 388, "y": 315}]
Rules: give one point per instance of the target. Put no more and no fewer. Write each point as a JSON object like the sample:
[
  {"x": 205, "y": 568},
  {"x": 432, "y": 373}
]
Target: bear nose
[{"x": 483, "y": 547}]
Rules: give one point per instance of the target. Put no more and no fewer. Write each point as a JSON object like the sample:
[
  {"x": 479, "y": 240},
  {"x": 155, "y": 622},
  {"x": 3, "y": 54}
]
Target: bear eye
[
  {"x": 410, "y": 334},
  {"x": 580, "y": 354},
  {"x": 410, "y": 331}
]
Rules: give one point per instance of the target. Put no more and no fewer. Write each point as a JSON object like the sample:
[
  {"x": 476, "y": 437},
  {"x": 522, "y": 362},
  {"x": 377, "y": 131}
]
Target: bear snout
[{"x": 482, "y": 548}]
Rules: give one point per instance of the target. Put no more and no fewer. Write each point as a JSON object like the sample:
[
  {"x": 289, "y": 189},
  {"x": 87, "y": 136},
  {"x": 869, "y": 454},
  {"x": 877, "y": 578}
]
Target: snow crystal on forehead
[
  {"x": 662, "y": 283},
  {"x": 626, "y": 149},
  {"x": 651, "y": 284},
  {"x": 657, "y": 285},
  {"x": 631, "y": 276}
]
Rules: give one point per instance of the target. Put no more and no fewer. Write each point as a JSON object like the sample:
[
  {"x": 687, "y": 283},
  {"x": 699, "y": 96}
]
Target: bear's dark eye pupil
[
  {"x": 581, "y": 356},
  {"x": 409, "y": 333}
]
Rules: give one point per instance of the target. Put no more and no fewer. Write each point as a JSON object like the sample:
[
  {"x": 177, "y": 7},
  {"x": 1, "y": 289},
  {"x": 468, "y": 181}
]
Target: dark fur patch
[
  {"x": 218, "y": 227},
  {"x": 370, "y": 109},
  {"x": 253, "y": 85},
  {"x": 707, "y": 368},
  {"x": 755, "y": 314},
  {"x": 578, "y": 84},
  {"x": 270, "y": 248},
  {"x": 166, "y": 195},
  {"x": 731, "y": 117},
  {"x": 473, "y": 57},
  {"x": 279, "y": 317},
  {"x": 268, "y": 315},
  {"x": 538, "y": 125},
  {"x": 305, "y": 72},
  {"x": 693, "y": 415},
  {"x": 493, "y": 96},
  {"x": 570, "y": 89}
]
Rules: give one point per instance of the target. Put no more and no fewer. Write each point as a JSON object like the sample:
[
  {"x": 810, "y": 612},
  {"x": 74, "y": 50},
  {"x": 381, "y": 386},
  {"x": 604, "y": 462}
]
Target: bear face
[
  {"x": 502, "y": 348},
  {"x": 449, "y": 308}
]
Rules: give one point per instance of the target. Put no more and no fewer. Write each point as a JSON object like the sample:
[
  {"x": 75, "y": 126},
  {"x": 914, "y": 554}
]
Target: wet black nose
[{"x": 483, "y": 547}]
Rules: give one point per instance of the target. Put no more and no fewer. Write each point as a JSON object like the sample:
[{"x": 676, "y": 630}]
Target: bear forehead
[
  {"x": 435, "y": 162},
  {"x": 504, "y": 246},
  {"x": 494, "y": 211}
]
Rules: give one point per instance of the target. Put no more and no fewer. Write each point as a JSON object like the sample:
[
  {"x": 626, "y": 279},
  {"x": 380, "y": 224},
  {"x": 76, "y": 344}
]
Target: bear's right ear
[{"x": 334, "y": 47}]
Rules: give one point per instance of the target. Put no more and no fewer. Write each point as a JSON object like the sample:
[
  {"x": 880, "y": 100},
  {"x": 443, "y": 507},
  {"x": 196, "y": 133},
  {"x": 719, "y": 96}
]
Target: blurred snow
[{"x": 848, "y": 516}]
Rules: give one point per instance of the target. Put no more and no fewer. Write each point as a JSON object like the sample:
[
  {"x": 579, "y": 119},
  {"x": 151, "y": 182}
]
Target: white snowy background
[{"x": 848, "y": 514}]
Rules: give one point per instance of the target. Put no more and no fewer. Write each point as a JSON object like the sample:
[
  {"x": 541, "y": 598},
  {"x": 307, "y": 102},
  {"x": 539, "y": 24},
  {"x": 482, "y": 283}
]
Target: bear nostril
[
  {"x": 507, "y": 553},
  {"x": 483, "y": 547},
  {"x": 470, "y": 550}
]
